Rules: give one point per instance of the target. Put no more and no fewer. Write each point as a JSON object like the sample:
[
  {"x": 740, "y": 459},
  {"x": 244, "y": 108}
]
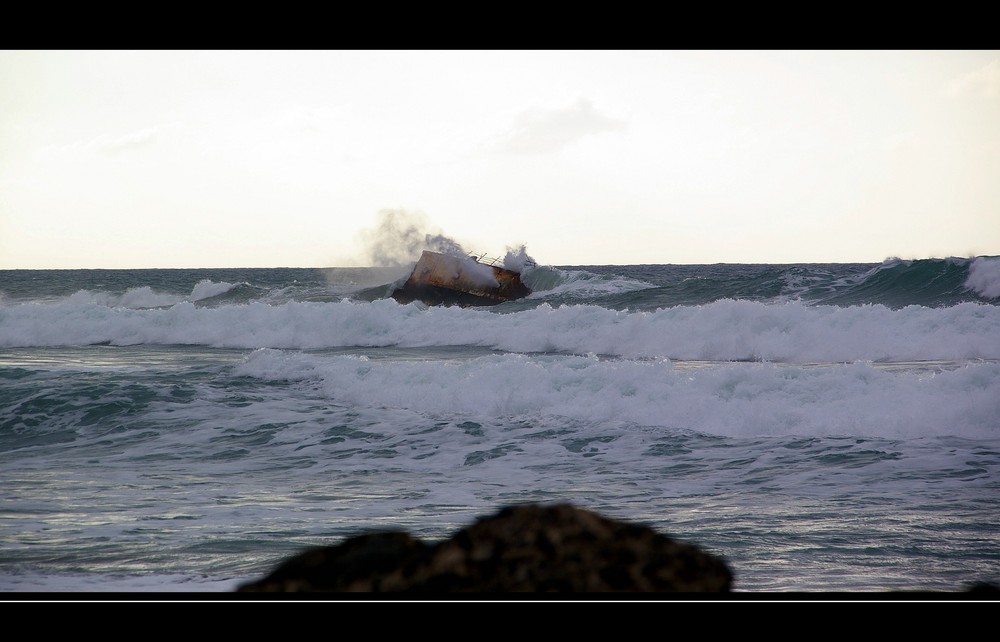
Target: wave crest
[
  {"x": 984, "y": 277},
  {"x": 723, "y": 330}
]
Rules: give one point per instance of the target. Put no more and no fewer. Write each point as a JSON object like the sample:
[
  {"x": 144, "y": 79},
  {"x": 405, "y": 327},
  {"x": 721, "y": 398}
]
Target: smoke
[{"x": 400, "y": 236}]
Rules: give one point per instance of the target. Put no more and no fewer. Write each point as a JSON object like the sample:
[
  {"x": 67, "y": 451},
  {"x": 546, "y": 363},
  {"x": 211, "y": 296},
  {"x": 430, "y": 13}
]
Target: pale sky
[{"x": 137, "y": 159}]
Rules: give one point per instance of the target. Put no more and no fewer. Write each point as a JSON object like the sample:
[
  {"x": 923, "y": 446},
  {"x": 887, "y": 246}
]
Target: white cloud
[
  {"x": 543, "y": 131},
  {"x": 109, "y": 144},
  {"x": 130, "y": 141},
  {"x": 984, "y": 81}
]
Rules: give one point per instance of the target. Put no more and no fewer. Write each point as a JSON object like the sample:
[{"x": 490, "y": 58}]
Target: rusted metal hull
[{"x": 440, "y": 279}]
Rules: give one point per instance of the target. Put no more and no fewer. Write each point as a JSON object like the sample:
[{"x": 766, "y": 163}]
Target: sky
[{"x": 245, "y": 158}]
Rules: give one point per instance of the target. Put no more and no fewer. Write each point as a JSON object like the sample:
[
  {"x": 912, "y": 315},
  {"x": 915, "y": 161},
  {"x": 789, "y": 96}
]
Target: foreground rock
[{"x": 524, "y": 548}]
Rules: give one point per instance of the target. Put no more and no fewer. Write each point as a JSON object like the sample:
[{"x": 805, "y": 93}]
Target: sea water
[{"x": 822, "y": 428}]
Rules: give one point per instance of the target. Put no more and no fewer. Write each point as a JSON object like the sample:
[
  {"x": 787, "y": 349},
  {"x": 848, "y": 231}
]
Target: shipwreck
[{"x": 443, "y": 279}]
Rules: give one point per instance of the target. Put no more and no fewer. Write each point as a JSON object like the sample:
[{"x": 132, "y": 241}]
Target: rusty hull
[{"x": 440, "y": 279}]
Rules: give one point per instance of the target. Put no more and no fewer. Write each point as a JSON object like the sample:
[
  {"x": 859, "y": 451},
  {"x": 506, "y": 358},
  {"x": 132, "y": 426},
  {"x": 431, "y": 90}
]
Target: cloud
[
  {"x": 985, "y": 81},
  {"x": 109, "y": 145},
  {"x": 130, "y": 141},
  {"x": 544, "y": 131},
  {"x": 309, "y": 119}
]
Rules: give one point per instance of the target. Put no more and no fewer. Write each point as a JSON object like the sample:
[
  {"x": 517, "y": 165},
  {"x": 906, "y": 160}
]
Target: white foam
[
  {"x": 146, "y": 297},
  {"x": 723, "y": 330},
  {"x": 517, "y": 259},
  {"x": 984, "y": 277},
  {"x": 740, "y": 399},
  {"x": 206, "y": 288},
  {"x": 479, "y": 274},
  {"x": 135, "y": 298}
]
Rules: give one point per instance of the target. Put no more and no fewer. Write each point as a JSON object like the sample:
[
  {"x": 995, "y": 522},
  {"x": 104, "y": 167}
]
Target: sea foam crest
[
  {"x": 746, "y": 399},
  {"x": 134, "y": 298},
  {"x": 518, "y": 260},
  {"x": 206, "y": 289},
  {"x": 723, "y": 330},
  {"x": 144, "y": 297},
  {"x": 984, "y": 277}
]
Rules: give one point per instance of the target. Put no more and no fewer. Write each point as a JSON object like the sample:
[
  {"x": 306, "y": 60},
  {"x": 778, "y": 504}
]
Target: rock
[{"x": 527, "y": 548}]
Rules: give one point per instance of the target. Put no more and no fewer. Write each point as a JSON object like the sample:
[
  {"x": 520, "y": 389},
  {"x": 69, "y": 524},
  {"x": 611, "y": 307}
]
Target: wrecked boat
[{"x": 443, "y": 279}]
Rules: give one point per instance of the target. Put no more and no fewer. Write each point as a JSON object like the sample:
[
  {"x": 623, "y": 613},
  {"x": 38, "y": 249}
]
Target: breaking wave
[{"x": 723, "y": 330}]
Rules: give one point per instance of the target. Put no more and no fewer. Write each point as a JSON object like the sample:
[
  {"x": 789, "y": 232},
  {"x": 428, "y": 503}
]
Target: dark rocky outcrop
[{"x": 528, "y": 548}]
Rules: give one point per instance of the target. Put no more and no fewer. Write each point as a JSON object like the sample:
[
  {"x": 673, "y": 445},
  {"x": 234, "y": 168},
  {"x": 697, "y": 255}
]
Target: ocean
[{"x": 820, "y": 427}]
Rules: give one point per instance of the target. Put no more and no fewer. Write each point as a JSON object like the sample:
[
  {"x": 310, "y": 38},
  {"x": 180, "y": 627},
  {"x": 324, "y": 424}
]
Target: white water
[
  {"x": 738, "y": 400},
  {"x": 146, "y": 297},
  {"x": 984, "y": 277},
  {"x": 723, "y": 330}
]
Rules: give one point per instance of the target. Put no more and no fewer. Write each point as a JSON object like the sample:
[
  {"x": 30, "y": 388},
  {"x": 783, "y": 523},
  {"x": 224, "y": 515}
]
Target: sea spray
[{"x": 984, "y": 277}]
